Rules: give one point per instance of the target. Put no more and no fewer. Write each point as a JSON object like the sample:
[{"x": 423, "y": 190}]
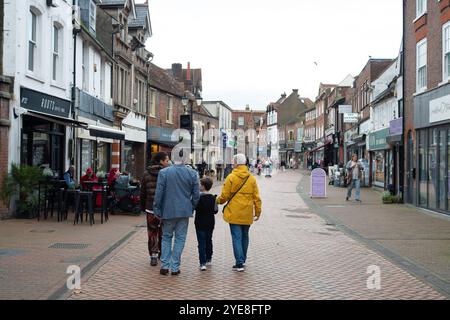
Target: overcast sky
[{"x": 251, "y": 51}]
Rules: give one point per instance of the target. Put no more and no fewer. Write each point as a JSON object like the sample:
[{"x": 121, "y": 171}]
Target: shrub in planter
[
  {"x": 387, "y": 197},
  {"x": 21, "y": 183}
]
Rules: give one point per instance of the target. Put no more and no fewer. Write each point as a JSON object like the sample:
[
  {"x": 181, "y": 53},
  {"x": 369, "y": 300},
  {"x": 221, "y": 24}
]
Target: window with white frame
[
  {"x": 421, "y": 7},
  {"x": 57, "y": 52},
  {"x": 240, "y": 121},
  {"x": 152, "y": 103},
  {"x": 446, "y": 51},
  {"x": 169, "y": 113},
  {"x": 421, "y": 65},
  {"x": 85, "y": 66},
  {"x": 32, "y": 40},
  {"x": 92, "y": 15},
  {"x": 102, "y": 79}
]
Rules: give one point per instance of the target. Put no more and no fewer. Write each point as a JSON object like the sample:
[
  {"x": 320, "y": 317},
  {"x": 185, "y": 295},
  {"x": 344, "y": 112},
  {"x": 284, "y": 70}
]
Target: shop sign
[
  {"x": 396, "y": 127},
  {"x": 351, "y": 117},
  {"x": 377, "y": 140},
  {"x": 40, "y": 102},
  {"x": 318, "y": 183},
  {"x": 343, "y": 109},
  {"x": 440, "y": 109}
]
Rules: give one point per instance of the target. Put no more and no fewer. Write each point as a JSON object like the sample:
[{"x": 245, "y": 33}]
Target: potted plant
[
  {"x": 48, "y": 174},
  {"x": 387, "y": 197},
  {"x": 101, "y": 175},
  {"x": 21, "y": 184}
]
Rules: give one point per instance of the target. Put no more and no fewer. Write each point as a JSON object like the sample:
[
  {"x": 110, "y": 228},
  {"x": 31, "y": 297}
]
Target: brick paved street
[
  {"x": 293, "y": 255},
  {"x": 31, "y": 269}
]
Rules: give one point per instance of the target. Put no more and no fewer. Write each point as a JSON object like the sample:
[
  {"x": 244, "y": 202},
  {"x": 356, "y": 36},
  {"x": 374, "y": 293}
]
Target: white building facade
[
  {"x": 272, "y": 133},
  {"x": 38, "y": 55}
]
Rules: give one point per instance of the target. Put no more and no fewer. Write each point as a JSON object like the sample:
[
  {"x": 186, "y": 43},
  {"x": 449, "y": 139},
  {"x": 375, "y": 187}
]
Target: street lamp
[{"x": 185, "y": 101}]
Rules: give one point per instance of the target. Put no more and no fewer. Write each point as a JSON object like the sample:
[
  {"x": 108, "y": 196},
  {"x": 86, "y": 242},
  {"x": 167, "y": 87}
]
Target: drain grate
[
  {"x": 69, "y": 246},
  {"x": 298, "y": 217},
  {"x": 42, "y": 231}
]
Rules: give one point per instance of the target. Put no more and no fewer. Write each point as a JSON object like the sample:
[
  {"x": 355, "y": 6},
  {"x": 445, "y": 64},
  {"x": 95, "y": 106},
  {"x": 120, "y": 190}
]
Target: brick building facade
[{"x": 426, "y": 95}]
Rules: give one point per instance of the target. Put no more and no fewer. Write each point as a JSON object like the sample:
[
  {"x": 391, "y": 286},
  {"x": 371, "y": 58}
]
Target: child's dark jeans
[{"x": 205, "y": 245}]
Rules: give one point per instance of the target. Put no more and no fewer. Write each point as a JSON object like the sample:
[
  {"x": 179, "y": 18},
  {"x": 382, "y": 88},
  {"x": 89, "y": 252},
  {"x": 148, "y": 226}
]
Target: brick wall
[
  {"x": 5, "y": 95},
  {"x": 430, "y": 27}
]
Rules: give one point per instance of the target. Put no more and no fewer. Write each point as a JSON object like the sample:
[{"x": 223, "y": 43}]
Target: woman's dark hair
[{"x": 158, "y": 157}]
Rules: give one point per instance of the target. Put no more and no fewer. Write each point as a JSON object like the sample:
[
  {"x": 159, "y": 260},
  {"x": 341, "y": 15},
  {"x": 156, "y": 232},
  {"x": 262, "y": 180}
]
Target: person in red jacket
[{"x": 88, "y": 177}]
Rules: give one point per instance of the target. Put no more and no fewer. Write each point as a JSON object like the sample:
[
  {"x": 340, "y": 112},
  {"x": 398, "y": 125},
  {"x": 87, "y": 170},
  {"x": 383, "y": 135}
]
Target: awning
[
  {"x": 395, "y": 139},
  {"x": 56, "y": 119},
  {"x": 104, "y": 132},
  {"x": 321, "y": 147}
]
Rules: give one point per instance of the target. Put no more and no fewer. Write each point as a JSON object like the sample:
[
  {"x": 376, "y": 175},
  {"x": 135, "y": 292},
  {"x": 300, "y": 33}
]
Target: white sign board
[
  {"x": 343, "y": 109},
  {"x": 440, "y": 109},
  {"x": 351, "y": 117}
]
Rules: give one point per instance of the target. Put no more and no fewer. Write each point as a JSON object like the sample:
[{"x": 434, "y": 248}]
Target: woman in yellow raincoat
[{"x": 243, "y": 207}]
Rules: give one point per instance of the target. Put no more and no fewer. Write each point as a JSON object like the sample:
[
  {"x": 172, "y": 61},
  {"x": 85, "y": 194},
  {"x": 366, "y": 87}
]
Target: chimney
[
  {"x": 284, "y": 95},
  {"x": 177, "y": 70},
  {"x": 247, "y": 108},
  {"x": 188, "y": 72},
  {"x": 295, "y": 91}
]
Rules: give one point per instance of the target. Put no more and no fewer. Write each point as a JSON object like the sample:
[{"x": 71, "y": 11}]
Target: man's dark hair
[
  {"x": 158, "y": 157},
  {"x": 207, "y": 183}
]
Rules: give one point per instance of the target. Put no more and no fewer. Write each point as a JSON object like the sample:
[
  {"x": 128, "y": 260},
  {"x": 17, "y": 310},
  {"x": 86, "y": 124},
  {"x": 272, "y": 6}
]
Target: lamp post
[{"x": 187, "y": 101}]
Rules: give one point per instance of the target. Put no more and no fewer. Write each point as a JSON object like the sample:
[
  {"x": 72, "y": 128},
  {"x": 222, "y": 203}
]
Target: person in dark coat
[
  {"x": 149, "y": 182},
  {"x": 205, "y": 222}
]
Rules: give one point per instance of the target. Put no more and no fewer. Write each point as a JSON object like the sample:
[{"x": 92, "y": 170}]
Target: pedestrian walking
[
  {"x": 177, "y": 194},
  {"x": 219, "y": 170},
  {"x": 243, "y": 206},
  {"x": 149, "y": 182},
  {"x": 354, "y": 169},
  {"x": 205, "y": 222}
]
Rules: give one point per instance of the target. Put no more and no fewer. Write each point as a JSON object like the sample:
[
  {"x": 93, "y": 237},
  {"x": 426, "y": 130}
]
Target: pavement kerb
[
  {"x": 422, "y": 274},
  {"x": 63, "y": 292}
]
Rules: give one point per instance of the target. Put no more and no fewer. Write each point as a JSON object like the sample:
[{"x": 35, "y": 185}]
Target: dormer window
[{"x": 92, "y": 15}]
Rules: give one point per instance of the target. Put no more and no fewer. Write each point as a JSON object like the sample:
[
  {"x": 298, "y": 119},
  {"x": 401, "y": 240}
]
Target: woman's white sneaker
[{"x": 203, "y": 268}]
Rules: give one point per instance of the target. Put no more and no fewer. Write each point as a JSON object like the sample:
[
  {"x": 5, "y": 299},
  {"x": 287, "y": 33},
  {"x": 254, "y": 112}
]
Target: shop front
[
  {"x": 160, "y": 140},
  {"x": 94, "y": 143},
  {"x": 432, "y": 123},
  {"x": 395, "y": 141},
  {"x": 46, "y": 131},
  {"x": 95, "y": 147},
  {"x": 381, "y": 159},
  {"x": 133, "y": 150}
]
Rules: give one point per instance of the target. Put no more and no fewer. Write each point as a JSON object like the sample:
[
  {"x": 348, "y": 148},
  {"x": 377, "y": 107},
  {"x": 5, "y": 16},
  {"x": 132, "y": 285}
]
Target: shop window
[
  {"x": 422, "y": 169},
  {"x": 432, "y": 168}
]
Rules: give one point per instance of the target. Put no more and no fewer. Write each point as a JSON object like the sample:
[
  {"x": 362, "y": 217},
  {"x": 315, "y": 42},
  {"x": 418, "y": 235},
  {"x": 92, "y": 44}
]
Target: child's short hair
[{"x": 207, "y": 183}]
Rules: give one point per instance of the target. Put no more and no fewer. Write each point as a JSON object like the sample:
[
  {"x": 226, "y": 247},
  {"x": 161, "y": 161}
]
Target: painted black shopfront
[
  {"x": 432, "y": 148},
  {"x": 43, "y": 136}
]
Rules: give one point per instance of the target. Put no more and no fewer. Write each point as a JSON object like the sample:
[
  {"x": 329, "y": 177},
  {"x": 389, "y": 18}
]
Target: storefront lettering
[
  {"x": 440, "y": 109},
  {"x": 37, "y": 101}
]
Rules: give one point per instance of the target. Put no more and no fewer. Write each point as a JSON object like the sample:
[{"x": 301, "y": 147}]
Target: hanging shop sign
[
  {"x": 351, "y": 117},
  {"x": 396, "y": 127},
  {"x": 343, "y": 109}
]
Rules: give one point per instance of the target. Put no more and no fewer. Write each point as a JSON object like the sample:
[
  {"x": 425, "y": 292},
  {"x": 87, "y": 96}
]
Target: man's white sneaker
[
  {"x": 203, "y": 268},
  {"x": 208, "y": 263}
]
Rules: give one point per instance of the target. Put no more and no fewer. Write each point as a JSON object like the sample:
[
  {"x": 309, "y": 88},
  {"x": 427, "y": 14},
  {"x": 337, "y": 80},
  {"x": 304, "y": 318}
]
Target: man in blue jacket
[{"x": 177, "y": 194}]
